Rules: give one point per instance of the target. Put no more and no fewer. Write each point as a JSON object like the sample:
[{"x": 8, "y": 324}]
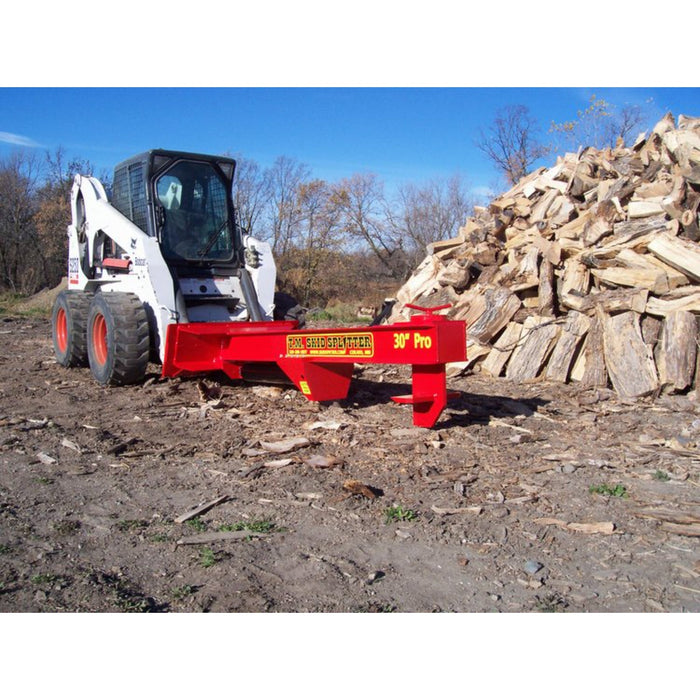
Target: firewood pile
[{"x": 588, "y": 271}]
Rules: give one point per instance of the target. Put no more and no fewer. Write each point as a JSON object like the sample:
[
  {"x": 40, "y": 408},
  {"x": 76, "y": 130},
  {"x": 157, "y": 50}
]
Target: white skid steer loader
[
  {"x": 167, "y": 249},
  {"x": 163, "y": 272}
]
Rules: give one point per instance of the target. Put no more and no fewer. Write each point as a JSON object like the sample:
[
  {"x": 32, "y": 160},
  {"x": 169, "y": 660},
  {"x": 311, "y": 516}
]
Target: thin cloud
[
  {"x": 483, "y": 191},
  {"x": 18, "y": 140}
]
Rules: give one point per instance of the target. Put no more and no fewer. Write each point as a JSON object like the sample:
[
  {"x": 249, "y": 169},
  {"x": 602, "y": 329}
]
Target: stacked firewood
[{"x": 587, "y": 271}]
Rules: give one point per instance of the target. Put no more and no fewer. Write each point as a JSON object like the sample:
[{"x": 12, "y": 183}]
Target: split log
[
  {"x": 609, "y": 250},
  {"x": 551, "y": 250},
  {"x": 502, "y": 349},
  {"x": 677, "y": 350},
  {"x": 656, "y": 190},
  {"x": 439, "y": 246},
  {"x": 452, "y": 251},
  {"x": 627, "y": 231},
  {"x": 475, "y": 351},
  {"x": 575, "y": 227},
  {"x": 682, "y": 255},
  {"x": 572, "y": 334},
  {"x": 545, "y": 293},
  {"x": 616, "y": 300},
  {"x": 529, "y": 264},
  {"x": 456, "y": 274},
  {"x": 438, "y": 297},
  {"x": 470, "y": 306},
  {"x": 664, "y": 307},
  {"x": 654, "y": 280},
  {"x": 539, "y": 210},
  {"x": 651, "y": 330},
  {"x": 468, "y": 229},
  {"x": 628, "y": 359},
  {"x": 590, "y": 368},
  {"x": 538, "y": 336},
  {"x": 576, "y": 283},
  {"x": 561, "y": 211},
  {"x": 600, "y": 223},
  {"x": 499, "y": 307},
  {"x": 422, "y": 280},
  {"x": 582, "y": 178},
  {"x": 640, "y": 209},
  {"x": 631, "y": 258},
  {"x": 672, "y": 204}
]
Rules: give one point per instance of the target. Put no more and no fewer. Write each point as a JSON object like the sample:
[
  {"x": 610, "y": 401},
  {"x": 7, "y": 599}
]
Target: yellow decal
[
  {"x": 330, "y": 345},
  {"x": 400, "y": 340},
  {"x": 304, "y": 388},
  {"x": 422, "y": 342}
]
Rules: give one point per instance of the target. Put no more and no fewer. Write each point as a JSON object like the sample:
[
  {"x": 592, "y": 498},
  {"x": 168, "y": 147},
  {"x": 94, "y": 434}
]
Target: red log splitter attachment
[{"x": 320, "y": 362}]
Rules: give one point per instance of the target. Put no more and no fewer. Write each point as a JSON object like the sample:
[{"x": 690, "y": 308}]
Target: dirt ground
[{"x": 525, "y": 498}]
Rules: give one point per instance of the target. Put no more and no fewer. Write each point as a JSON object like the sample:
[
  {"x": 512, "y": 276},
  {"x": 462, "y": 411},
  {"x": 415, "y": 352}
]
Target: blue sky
[{"x": 401, "y": 134}]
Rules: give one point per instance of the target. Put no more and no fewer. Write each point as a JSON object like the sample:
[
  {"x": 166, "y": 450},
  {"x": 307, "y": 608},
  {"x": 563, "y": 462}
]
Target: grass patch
[
  {"x": 48, "y": 580},
  {"x": 159, "y": 537},
  {"x": 197, "y": 524},
  {"x": 17, "y": 305},
  {"x": 617, "y": 491},
  {"x": 67, "y": 527},
  {"x": 184, "y": 591},
  {"x": 335, "y": 311},
  {"x": 396, "y": 514},
  {"x": 250, "y": 526},
  {"x": 661, "y": 475},
  {"x": 207, "y": 557},
  {"x": 5, "y": 549},
  {"x": 551, "y": 603},
  {"x": 130, "y": 525},
  {"x": 378, "y": 608},
  {"x": 125, "y": 596}
]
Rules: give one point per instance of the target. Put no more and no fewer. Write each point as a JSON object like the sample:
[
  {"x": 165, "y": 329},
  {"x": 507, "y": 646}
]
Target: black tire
[
  {"x": 288, "y": 309},
  {"x": 68, "y": 328},
  {"x": 117, "y": 338}
]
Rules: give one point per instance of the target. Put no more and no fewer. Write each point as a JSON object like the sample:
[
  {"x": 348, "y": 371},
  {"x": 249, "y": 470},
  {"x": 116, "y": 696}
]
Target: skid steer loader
[{"x": 163, "y": 273}]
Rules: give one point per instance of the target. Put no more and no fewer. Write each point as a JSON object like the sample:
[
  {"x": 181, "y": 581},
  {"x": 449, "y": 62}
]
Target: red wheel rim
[
  {"x": 99, "y": 339},
  {"x": 61, "y": 331}
]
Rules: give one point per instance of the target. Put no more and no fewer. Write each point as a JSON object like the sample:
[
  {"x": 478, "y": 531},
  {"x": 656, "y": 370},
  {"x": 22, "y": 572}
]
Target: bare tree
[
  {"x": 318, "y": 239},
  {"x": 18, "y": 240},
  {"x": 630, "y": 119},
  {"x": 251, "y": 194},
  {"x": 511, "y": 142},
  {"x": 428, "y": 213},
  {"x": 53, "y": 214},
  {"x": 600, "y": 125},
  {"x": 284, "y": 178},
  {"x": 365, "y": 219}
]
